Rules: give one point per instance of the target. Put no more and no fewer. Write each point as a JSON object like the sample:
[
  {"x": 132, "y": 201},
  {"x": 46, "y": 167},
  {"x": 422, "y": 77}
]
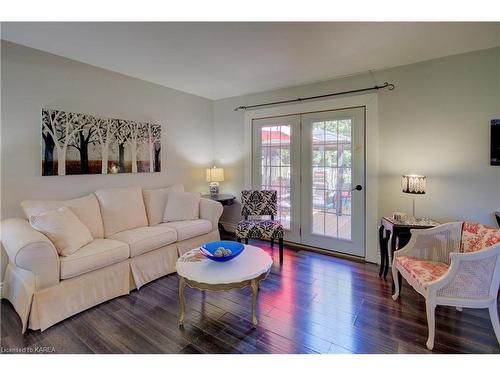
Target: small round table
[{"x": 246, "y": 270}]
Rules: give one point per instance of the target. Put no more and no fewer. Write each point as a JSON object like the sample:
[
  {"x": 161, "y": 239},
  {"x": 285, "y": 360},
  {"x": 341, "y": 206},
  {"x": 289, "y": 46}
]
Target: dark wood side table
[
  {"x": 225, "y": 200},
  {"x": 394, "y": 234}
]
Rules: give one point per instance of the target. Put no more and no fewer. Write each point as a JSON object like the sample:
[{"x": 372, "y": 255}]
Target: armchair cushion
[
  {"x": 477, "y": 236},
  {"x": 260, "y": 229},
  {"x": 423, "y": 271}
]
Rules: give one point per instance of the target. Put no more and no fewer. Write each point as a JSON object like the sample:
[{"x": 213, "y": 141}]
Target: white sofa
[{"x": 131, "y": 247}]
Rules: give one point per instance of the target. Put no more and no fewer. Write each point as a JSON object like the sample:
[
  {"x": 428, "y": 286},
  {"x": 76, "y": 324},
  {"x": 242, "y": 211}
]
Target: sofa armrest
[
  {"x": 30, "y": 250},
  {"x": 210, "y": 210}
]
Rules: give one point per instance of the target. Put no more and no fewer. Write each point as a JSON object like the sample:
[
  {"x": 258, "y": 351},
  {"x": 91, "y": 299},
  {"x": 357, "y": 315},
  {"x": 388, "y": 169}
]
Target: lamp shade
[
  {"x": 413, "y": 184},
  {"x": 215, "y": 174}
]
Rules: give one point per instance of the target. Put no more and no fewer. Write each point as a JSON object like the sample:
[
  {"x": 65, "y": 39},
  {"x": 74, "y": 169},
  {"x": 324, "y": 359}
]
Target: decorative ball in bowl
[{"x": 222, "y": 251}]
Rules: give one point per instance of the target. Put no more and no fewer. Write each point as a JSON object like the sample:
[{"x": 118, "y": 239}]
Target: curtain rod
[{"x": 390, "y": 86}]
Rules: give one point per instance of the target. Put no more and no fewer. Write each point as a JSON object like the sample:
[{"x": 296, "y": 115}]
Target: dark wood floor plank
[{"x": 312, "y": 303}]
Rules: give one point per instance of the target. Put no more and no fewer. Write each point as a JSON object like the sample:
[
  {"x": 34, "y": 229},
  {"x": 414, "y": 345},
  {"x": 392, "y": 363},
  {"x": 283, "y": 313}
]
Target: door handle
[{"x": 358, "y": 188}]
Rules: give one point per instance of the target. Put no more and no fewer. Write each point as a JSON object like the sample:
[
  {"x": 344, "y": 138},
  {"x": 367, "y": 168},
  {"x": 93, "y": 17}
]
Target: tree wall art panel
[{"x": 77, "y": 143}]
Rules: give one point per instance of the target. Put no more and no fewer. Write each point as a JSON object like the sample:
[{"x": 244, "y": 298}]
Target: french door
[
  {"x": 276, "y": 166},
  {"x": 316, "y": 163}
]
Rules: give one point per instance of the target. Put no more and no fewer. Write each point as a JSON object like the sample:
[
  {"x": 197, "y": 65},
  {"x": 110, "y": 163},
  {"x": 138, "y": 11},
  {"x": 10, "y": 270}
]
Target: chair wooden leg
[
  {"x": 395, "y": 277},
  {"x": 272, "y": 243},
  {"x": 246, "y": 241},
  {"x": 280, "y": 243},
  {"x": 494, "y": 319},
  {"x": 431, "y": 323}
]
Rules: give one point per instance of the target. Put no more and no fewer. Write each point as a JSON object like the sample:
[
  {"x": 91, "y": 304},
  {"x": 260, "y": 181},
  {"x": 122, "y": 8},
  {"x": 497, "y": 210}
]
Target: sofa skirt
[{"x": 71, "y": 296}]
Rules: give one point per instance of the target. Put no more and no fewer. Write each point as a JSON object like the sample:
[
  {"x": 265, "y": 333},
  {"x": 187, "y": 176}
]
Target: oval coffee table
[{"x": 246, "y": 270}]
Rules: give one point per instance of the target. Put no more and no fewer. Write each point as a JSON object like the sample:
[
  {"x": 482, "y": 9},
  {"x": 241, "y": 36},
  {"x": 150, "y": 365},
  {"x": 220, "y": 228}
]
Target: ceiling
[{"x": 219, "y": 60}]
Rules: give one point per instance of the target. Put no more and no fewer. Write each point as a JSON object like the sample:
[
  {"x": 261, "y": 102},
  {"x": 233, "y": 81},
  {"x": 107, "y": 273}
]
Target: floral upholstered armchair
[
  {"x": 454, "y": 264},
  {"x": 260, "y": 203}
]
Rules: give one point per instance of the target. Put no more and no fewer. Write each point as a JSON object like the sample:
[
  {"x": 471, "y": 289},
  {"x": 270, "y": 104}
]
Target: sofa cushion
[
  {"x": 121, "y": 209},
  {"x": 424, "y": 271},
  {"x": 97, "y": 254},
  {"x": 189, "y": 228},
  {"x": 144, "y": 239},
  {"x": 182, "y": 206},
  {"x": 85, "y": 208},
  {"x": 155, "y": 201},
  {"x": 63, "y": 228}
]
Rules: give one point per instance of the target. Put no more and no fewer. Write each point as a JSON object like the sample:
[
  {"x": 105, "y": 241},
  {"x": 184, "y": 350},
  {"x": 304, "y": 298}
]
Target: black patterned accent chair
[{"x": 262, "y": 204}]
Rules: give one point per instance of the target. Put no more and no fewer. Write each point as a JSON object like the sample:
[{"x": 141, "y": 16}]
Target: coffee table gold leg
[
  {"x": 255, "y": 289},
  {"x": 182, "y": 301}
]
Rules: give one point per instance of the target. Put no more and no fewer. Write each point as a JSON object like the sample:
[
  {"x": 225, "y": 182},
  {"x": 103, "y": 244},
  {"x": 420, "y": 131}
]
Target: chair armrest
[
  {"x": 210, "y": 210},
  {"x": 433, "y": 244},
  {"x": 471, "y": 275},
  {"x": 30, "y": 250}
]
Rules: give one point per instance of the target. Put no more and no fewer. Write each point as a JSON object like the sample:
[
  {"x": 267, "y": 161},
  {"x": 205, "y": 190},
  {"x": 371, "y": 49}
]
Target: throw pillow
[
  {"x": 63, "y": 228},
  {"x": 155, "y": 201},
  {"x": 182, "y": 206}
]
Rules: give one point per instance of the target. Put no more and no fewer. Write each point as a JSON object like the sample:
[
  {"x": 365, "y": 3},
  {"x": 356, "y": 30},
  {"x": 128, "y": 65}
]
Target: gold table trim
[{"x": 252, "y": 283}]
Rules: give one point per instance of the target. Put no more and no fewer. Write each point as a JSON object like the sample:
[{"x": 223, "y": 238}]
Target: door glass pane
[
  {"x": 284, "y": 214},
  {"x": 318, "y": 222},
  {"x": 330, "y": 155},
  {"x": 331, "y": 178},
  {"x": 284, "y": 155},
  {"x": 331, "y": 225},
  {"x": 275, "y": 167}
]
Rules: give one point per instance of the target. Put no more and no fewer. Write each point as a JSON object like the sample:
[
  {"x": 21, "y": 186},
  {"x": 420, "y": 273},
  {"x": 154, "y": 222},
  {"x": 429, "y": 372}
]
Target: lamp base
[{"x": 214, "y": 189}]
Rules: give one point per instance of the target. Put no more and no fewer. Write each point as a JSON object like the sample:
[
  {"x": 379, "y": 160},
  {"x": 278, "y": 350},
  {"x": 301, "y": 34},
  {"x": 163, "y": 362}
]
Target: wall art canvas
[{"x": 77, "y": 143}]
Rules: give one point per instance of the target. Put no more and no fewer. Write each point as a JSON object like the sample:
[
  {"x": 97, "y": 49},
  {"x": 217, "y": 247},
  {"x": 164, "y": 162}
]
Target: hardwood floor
[{"x": 312, "y": 304}]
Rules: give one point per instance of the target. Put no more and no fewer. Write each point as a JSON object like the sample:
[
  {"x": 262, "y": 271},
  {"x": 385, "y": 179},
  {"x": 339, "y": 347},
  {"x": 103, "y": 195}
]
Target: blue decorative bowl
[{"x": 210, "y": 248}]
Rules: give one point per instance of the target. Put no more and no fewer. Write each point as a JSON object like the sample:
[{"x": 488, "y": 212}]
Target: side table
[
  {"x": 394, "y": 234},
  {"x": 225, "y": 200}
]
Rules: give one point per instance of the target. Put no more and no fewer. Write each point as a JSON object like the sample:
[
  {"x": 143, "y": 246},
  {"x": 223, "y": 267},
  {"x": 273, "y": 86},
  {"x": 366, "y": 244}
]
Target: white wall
[
  {"x": 32, "y": 79},
  {"x": 436, "y": 122}
]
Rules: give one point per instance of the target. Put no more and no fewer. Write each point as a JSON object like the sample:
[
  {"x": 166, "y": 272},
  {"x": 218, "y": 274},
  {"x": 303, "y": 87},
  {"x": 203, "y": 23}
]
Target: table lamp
[
  {"x": 214, "y": 176},
  {"x": 413, "y": 184}
]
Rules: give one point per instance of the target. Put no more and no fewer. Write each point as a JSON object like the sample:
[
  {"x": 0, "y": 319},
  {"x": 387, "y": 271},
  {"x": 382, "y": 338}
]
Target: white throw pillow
[
  {"x": 85, "y": 208},
  {"x": 155, "y": 201},
  {"x": 63, "y": 228},
  {"x": 182, "y": 206}
]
